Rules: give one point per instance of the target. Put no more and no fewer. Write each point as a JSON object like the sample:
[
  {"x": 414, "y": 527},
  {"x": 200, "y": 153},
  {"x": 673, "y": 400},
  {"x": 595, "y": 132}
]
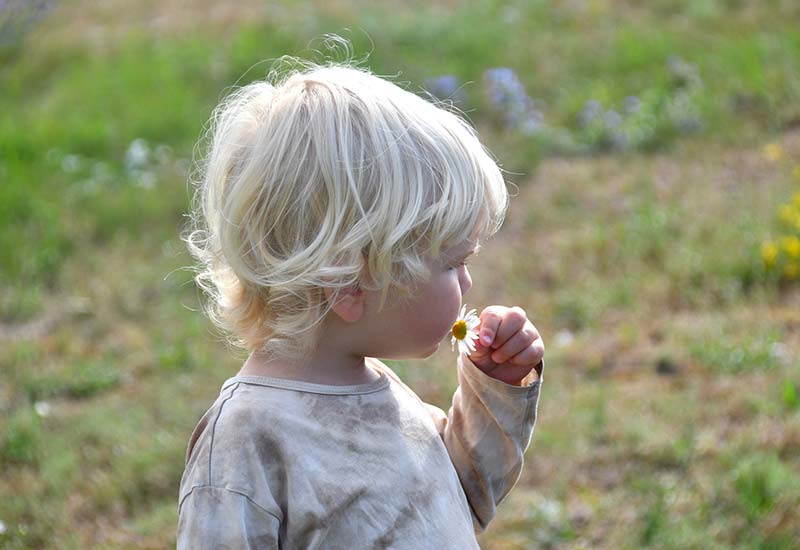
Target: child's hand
[{"x": 514, "y": 347}]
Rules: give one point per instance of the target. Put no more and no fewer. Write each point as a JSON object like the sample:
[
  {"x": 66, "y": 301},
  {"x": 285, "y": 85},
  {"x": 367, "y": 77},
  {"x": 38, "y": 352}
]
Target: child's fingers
[
  {"x": 532, "y": 355},
  {"x": 490, "y": 321},
  {"x": 518, "y": 342},
  {"x": 512, "y": 322}
]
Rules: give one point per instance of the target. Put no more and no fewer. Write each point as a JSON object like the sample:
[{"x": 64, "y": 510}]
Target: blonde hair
[{"x": 329, "y": 176}]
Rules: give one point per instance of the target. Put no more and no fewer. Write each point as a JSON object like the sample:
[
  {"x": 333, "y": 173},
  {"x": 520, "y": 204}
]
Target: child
[{"x": 337, "y": 213}]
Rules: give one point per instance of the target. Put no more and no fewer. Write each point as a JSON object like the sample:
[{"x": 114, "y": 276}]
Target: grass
[{"x": 670, "y": 415}]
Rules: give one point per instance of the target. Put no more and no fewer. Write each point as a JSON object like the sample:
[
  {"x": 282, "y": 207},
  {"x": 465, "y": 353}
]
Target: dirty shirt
[{"x": 278, "y": 463}]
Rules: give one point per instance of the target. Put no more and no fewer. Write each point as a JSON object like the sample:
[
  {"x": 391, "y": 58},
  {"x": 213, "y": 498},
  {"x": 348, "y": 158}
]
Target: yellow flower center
[{"x": 460, "y": 329}]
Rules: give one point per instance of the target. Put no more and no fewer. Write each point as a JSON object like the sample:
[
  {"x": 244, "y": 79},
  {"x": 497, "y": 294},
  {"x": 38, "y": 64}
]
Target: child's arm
[
  {"x": 491, "y": 421},
  {"x": 217, "y": 517},
  {"x": 229, "y": 509}
]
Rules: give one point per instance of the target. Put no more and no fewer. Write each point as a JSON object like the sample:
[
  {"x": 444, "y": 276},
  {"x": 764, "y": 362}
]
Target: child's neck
[{"x": 320, "y": 368}]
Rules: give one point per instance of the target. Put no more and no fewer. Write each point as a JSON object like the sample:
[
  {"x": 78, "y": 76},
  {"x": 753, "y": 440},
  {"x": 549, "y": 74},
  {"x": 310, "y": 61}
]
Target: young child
[{"x": 334, "y": 218}]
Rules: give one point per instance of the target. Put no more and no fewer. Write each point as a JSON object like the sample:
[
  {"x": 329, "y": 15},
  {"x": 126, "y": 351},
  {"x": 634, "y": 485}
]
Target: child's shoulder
[
  {"x": 244, "y": 405},
  {"x": 261, "y": 405},
  {"x": 261, "y": 409},
  {"x": 238, "y": 436},
  {"x": 381, "y": 367},
  {"x": 237, "y": 411}
]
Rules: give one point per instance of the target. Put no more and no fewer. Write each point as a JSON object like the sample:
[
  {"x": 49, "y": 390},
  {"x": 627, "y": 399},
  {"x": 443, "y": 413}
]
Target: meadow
[{"x": 653, "y": 151}]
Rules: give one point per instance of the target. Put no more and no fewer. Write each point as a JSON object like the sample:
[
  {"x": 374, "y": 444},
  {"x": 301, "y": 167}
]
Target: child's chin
[
  {"x": 431, "y": 351},
  {"x": 417, "y": 354},
  {"x": 422, "y": 353}
]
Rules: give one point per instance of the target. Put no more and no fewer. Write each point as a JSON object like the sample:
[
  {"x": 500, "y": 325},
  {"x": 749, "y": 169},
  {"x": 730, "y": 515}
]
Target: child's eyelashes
[{"x": 462, "y": 263}]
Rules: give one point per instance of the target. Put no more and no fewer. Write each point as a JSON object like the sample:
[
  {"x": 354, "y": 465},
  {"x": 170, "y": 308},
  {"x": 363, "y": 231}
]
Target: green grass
[{"x": 668, "y": 419}]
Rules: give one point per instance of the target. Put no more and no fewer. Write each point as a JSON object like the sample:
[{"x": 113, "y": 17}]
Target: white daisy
[{"x": 464, "y": 332}]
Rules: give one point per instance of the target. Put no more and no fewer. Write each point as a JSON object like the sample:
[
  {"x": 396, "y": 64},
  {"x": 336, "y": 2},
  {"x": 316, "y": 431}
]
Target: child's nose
[{"x": 465, "y": 281}]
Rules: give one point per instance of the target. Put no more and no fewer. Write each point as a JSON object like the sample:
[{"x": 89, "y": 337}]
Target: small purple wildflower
[
  {"x": 532, "y": 123},
  {"x": 612, "y": 119},
  {"x": 632, "y": 104},
  {"x": 591, "y": 110},
  {"x": 507, "y": 96},
  {"x": 685, "y": 74},
  {"x": 17, "y": 16},
  {"x": 505, "y": 89},
  {"x": 446, "y": 87},
  {"x": 684, "y": 114}
]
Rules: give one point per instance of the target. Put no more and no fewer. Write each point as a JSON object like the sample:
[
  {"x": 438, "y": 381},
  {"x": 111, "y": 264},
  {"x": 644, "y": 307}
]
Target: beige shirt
[{"x": 277, "y": 463}]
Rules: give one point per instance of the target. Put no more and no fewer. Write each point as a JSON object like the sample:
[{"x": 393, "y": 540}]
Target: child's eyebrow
[{"x": 450, "y": 256}]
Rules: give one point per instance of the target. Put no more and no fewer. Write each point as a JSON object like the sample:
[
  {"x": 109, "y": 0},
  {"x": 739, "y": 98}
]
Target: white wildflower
[{"x": 463, "y": 331}]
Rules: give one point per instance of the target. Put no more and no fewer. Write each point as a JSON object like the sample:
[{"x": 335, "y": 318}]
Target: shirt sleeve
[
  {"x": 216, "y": 517},
  {"x": 486, "y": 432}
]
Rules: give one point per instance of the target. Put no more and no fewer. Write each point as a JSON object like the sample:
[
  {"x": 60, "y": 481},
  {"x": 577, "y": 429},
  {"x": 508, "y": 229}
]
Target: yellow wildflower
[
  {"x": 773, "y": 151},
  {"x": 786, "y": 213},
  {"x": 769, "y": 253},
  {"x": 791, "y": 245},
  {"x": 791, "y": 270}
]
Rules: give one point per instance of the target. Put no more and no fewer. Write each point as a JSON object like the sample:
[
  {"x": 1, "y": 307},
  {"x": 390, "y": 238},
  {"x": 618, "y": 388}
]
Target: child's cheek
[{"x": 447, "y": 300}]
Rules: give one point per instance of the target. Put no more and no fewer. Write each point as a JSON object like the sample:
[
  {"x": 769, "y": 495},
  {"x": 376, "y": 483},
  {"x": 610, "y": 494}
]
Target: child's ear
[{"x": 348, "y": 305}]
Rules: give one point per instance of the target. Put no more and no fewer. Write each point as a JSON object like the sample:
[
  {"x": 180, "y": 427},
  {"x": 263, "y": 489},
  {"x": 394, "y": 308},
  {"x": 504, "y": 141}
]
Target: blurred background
[{"x": 654, "y": 239}]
